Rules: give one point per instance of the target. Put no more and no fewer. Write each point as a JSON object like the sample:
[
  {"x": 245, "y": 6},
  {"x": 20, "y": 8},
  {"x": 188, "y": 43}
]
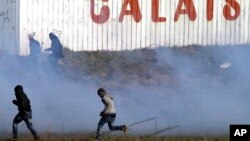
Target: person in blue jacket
[{"x": 56, "y": 48}]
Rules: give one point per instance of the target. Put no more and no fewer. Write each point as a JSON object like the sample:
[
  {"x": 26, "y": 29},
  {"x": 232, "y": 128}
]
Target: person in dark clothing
[
  {"x": 35, "y": 52},
  {"x": 35, "y": 48},
  {"x": 108, "y": 114},
  {"x": 57, "y": 50},
  {"x": 24, "y": 114},
  {"x": 56, "y": 47}
]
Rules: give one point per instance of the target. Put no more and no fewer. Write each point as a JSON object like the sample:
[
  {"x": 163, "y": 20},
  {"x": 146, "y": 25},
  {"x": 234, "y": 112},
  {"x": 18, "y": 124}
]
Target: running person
[
  {"x": 108, "y": 115},
  {"x": 24, "y": 114}
]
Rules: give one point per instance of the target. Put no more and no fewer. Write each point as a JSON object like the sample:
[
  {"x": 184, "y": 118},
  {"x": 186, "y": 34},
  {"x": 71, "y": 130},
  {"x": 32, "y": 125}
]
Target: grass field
[{"x": 81, "y": 137}]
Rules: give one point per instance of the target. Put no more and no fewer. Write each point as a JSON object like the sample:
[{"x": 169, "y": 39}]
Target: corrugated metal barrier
[{"x": 134, "y": 24}]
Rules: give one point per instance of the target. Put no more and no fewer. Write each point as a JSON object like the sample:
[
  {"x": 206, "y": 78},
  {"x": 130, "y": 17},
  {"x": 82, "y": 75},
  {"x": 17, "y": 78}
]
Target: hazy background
[{"x": 203, "y": 99}]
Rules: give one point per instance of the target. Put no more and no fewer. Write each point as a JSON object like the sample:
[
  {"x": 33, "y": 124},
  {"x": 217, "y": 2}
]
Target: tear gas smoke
[{"x": 204, "y": 98}]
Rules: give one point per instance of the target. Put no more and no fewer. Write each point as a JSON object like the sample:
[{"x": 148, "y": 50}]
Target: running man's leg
[
  {"x": 18, "y": 118},
  {"x": 111, "y": 120},
  {"x": 101, "y": 123},
  {"x": 28, "y": 121}
]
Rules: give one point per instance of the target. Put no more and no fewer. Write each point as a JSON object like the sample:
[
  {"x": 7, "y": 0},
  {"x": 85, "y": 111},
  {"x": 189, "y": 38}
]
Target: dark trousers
[
  {"x": 54, "y": 64},
  {"x": 27, "y": 118},
  {"x": 110, "y": 119}
]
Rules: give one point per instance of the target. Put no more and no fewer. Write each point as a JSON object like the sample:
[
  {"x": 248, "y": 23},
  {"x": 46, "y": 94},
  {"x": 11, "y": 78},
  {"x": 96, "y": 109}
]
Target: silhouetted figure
[
  {"x": 56, "y": 47},
  {"x": 24, "y": 114},
  {"x": 108, "y": 115},
  {"x": 35, "y": 52},
  {"x": 35, "y": 48},
  {"x": 57, "y": 51}
]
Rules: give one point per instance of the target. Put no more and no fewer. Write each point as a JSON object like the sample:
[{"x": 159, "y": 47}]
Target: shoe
[
  {"x": 125, "y": 129},
  {"x": 13, "y": 139},
  {"x": 36, "y": 138}
]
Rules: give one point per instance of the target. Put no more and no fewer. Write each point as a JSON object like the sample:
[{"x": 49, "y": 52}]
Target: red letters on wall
[
  {"x": 229, "y": 7},
  {"x": 231, "y": 11},
  {"x": 135, "y": 10},
  {"x": 190, "y": 10},
  {"x": 210, "y": 9},
  {"x": 155, "y": 12},
  {"x": 103, "y": 16}
]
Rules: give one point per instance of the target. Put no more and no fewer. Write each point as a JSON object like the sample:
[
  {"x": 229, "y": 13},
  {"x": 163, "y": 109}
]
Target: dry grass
[
  {"x": 106, "y": 66},
  {"x": 149, "y": 66},
  {"x": 86, "y": 137}
]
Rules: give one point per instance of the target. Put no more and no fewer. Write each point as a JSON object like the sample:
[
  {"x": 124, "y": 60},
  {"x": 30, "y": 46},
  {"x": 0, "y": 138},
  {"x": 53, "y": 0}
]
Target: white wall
[
  {"x": 9, "y": 26},
  {"x": 71, "y": 21}
]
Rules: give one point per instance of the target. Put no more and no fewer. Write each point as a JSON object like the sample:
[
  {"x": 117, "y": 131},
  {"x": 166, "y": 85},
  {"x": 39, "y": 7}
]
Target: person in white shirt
[{"x": 108, "y": 115}]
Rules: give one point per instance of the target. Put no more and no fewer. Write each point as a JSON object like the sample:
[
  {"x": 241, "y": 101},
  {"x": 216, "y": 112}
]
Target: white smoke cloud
[{"x": 205, "y": 97}]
